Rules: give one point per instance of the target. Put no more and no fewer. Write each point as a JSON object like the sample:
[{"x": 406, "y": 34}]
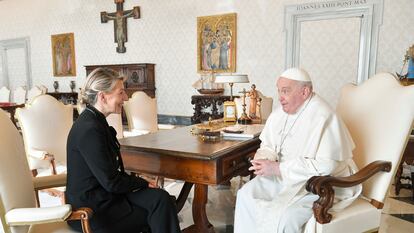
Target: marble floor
[{"x": 397, "y": 217}]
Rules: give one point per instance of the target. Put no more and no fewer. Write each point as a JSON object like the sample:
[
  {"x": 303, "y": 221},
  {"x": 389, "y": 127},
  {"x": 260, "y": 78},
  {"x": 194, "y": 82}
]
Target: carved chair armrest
[
  {"x": 322, "y": 186},
  {"x": 83, "y": 214}
]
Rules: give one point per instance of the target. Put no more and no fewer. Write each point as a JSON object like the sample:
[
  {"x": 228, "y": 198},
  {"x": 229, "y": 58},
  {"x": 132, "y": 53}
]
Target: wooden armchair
[
  {"x": 379, "y": 115},
  {"x": 19, "y": 95},
  {"x": 45, "y": 125},
  {"x": 4, "y": 94},
  {"x": 18, "y": 213}
]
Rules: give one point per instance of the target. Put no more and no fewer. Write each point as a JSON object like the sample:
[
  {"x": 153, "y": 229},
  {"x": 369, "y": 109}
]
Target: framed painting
[
  {"x": 216, "y": 43},
  {"x": 63, "y": 55}
]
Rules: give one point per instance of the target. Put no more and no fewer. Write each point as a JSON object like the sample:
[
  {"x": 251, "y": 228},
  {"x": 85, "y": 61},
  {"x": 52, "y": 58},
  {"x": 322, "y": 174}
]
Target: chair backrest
[
  {"x": 4, "y": 94},
  {"x": 19, "y": 95},
  {"x": 32, "y": 93},
  {"x": 45, "y": 125},
  {"x": 379, "y": 115},
  {"x": 141, "y": 112},
  {"x": 115, "y": 120},
  {"x": 266, "y": 106},
  {"x": 43, "y": 88},
  {"x": 16, "y": 185}
]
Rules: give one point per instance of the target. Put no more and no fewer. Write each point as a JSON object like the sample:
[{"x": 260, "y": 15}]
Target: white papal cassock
[{"x": 313, "y": 142}]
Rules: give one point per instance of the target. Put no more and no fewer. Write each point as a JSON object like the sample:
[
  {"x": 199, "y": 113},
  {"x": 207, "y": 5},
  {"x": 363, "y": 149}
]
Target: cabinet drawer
[{"x": 235, "y": 164}]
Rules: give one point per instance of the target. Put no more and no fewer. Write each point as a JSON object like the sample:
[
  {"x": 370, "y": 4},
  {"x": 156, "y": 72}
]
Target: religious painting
[
  {"x": 63, "y": 55},
  {"x": 216, "y": 43}
]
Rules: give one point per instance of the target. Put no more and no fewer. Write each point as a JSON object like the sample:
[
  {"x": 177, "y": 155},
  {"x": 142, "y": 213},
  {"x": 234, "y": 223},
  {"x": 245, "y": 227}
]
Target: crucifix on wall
[{"x": 120, "y": 23}]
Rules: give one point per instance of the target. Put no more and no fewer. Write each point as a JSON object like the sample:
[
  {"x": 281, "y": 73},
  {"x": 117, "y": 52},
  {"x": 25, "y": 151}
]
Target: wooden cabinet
[
  {"x": 206, "y": 106},
  {"x": 65, "y": 97},
  {"x": 140, "y": 77}
]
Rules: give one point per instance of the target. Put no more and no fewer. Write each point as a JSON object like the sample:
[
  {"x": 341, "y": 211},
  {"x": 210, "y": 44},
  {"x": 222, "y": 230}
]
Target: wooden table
[
  {"x": 179, "y": 155},
  {"x": 11, "y": 108}
]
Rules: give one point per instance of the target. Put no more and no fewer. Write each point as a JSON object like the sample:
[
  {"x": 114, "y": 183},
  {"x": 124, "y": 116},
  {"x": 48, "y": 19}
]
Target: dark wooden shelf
[{"x": 140, "y": 77}]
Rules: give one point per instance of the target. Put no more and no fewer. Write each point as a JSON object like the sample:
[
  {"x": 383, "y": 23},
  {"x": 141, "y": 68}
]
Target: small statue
[{"x": 253, "y": 102}]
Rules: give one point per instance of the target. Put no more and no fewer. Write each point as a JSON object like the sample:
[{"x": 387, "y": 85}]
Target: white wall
[{"x": 166, "y": 35}]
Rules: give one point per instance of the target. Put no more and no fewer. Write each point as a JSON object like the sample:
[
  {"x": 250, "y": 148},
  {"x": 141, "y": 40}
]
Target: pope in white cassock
[{"x": 302, "y": 138}]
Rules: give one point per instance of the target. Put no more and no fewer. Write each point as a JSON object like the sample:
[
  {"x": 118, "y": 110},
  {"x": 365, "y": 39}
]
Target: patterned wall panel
[
  {"x": 17, "y": 72},
  {"x": 330, "y": 54},
  {"x": 166, "y": 35}
]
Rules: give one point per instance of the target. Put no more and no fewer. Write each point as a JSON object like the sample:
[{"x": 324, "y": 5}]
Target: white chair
[
  {"x": 32, "y": 93},
  {"x": 18, "y": 212},
  {"x": 379, "y": 115},
  {"x": 115, "y": 120},
  {"x": 265, "y": 108},
  {"x": 45, "y": 125},
  {"x": 43, "y": 88},
  {"x": 4, "y": 94},
  {"x": 19, "y": 95},
  {"x": 141, "y": 113}
]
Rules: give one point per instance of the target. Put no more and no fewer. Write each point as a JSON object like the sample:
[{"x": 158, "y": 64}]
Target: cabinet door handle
[{"x": 233, "y": 163}]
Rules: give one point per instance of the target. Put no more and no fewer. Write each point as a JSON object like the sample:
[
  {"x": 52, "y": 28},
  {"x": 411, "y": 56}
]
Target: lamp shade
[{"x": 235, "y": 78}]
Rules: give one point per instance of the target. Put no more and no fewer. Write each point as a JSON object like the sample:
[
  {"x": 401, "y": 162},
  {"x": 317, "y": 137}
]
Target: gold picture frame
[
  {"x": 230, "y": 111},
  {"x": 63, "y": 55},
  {"x": 216, "y": 43}
]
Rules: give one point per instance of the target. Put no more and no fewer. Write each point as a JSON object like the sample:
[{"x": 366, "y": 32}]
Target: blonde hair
[{"x": 100, "y": 79}]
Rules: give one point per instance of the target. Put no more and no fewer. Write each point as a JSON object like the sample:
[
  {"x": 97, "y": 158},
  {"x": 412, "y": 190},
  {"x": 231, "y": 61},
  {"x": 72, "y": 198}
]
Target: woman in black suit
[{"x": 122, "y": 203}]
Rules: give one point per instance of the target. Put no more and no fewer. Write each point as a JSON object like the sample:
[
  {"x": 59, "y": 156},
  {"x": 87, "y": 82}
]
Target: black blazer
[{"x": 95, "y": 172}]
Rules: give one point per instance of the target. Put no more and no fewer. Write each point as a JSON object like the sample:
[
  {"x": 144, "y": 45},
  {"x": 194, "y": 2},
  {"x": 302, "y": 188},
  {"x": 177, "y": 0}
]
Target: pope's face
[
  {"x": 115, "y": 99},
  {"x": 291, "y": 94}
]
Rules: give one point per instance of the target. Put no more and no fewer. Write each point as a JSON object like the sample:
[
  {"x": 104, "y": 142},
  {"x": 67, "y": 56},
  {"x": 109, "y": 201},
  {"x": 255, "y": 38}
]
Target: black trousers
[{"x": 152, "y": 209}]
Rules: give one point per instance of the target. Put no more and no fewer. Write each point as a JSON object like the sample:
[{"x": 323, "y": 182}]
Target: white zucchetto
[{"x": 296, "y": 74}]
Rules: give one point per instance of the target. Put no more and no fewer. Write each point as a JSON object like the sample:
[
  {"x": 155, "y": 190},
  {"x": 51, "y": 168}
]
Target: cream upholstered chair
[
  {"x": 45, "y": 125},
  {"x": 115, "y": 120},
  {"x": 17, "y": 203},
  {"x": 43, "y": 88},
  {"x": 33, "y": 92},
  {"x": 141, "y": 113},
  {"x": 4, "y": 94},
  {"x": 19, "y": 95},
  {"x": 266, "y": 105},
  {"x": 379, "y": 115}
]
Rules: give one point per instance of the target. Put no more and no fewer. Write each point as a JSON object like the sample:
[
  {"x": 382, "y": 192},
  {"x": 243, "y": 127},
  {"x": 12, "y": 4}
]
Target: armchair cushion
[
  {"x": 165, "y": 126},
  {"x": 57, "y": 227},
  {"x": 29, "y": 216},
  {"x": 350, "y": 218},
  {"x": 135, "y": 132}
]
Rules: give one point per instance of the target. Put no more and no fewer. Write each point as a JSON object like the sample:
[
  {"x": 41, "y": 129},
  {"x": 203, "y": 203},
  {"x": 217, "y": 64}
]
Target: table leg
[
  {"x": 182, "y": 197},
  {"x": 201, "y": 223},
  {"x": 12, "y": 112}
]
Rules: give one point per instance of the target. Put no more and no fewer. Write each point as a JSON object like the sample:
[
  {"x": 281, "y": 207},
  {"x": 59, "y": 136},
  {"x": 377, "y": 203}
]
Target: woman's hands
[{"x": 153, "y": 184}]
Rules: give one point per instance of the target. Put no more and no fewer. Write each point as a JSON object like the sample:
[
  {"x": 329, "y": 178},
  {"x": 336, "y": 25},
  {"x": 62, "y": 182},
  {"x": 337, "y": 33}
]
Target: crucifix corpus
[{"x": 120, "y": 23}]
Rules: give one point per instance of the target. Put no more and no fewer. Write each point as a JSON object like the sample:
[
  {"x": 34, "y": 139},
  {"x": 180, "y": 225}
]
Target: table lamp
[
  {"x": 229, "y": 106},
  {"x": 231, "y": 79}
]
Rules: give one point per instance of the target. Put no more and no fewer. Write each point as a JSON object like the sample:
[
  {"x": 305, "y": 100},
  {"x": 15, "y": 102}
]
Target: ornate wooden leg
[
  {"x": 397, "y": 179},
  {"x": 201, "y": 223}
]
